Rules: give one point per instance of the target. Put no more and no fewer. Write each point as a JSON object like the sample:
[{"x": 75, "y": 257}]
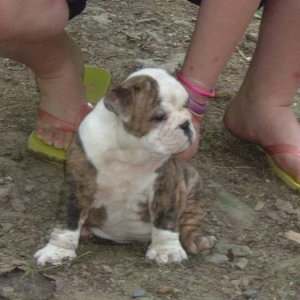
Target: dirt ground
[{"x": 247, "y": 208}]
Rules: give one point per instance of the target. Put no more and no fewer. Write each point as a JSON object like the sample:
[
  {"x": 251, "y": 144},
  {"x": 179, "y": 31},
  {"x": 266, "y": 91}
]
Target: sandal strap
[
  {"x": 61, "y": 125},
  {"x": 282, "y": 148}
]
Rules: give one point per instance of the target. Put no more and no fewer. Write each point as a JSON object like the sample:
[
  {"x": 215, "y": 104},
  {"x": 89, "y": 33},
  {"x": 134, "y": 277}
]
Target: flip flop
[
  {"x": 285, "y": 177},
  {"x": 96, "y": 81}
]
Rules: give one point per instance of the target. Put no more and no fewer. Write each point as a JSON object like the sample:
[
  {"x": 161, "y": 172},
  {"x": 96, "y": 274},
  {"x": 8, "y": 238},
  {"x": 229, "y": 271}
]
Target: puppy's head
[{"x": 151, "y": 105}]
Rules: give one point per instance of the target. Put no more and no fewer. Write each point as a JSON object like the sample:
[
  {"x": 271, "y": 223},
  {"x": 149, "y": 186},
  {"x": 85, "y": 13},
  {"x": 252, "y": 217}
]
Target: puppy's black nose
[{"x": 186, "y": 127}]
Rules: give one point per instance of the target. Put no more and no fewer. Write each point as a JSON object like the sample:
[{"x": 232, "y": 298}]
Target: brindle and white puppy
[{"x": 122, "y": 181}]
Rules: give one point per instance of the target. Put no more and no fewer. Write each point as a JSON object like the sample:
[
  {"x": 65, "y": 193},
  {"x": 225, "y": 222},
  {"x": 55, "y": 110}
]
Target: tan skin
[
  {"x": 42, "y": 45},
  {"x": 261, "y": 110},
  {"x": 259, "y": 113}
]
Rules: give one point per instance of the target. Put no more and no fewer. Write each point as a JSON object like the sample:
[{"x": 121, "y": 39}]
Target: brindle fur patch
[
  {"x": 96, "y": 217},
  {"x": 138, "y": 102},
  {"x": 176, "y": 205},
  {"x": 80, "y": 186}
]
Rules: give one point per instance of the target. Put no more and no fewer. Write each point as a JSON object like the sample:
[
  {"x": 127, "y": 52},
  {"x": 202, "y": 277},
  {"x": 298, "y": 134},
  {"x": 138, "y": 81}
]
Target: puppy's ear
[
  {"x": 117, "y": 100},
  {"x": 134, "y": 90}
]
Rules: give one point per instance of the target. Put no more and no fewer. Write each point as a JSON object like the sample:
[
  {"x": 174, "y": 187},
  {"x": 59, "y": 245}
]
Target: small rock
[
  {"x": 285, "y": 206},
  {"x": 8, "y": 179},
  {"x": 4, "y": 192},
  {"x": 259, "y": 206},
  {"x": 234, "y": 208},
  {"x": 217, "y": 259},
  {"x": 236, "y": 283},
  {"x": 29, "y": 188},
  {"x": 250, "y": 293},
  {"x": 237, "y": 250},
  {"x": 43, "y": 179},
  {"x": 146, "y": 63},
  {"x": 244, "y": 283},
  {"x": 165, "y": 289},
  {"x": 6, "y": 227},
  {"x": 139, "y": 292},
  {"x": 242, "y": 263},
  {"x": 154, "y": 36},
  {"x": 102, "y": 19},
  {"x": 252, "y": 37},
  {"x": 17, "y": 204},
  {"x": 227, "y": 290},
  {"x": 107, "y": 269},
  {"x": 277, "y": 216},
  {"x": 7, "y": 291}
]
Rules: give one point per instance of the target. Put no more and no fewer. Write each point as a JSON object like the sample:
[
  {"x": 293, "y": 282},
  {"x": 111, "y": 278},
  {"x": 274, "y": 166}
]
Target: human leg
[
  {"x": 50, "y": 53},
  {"x": 261, "y": 112},
  {"x": 220, "y": 25}
]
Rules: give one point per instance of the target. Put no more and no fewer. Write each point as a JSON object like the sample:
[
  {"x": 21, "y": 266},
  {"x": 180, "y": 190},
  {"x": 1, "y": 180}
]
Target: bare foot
[
  {"x": 258, "y": 122},
  {"x": 59, "y": 102}
]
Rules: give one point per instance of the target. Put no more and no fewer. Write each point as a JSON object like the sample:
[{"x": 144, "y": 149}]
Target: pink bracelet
[{"x": 197, "y": 90}]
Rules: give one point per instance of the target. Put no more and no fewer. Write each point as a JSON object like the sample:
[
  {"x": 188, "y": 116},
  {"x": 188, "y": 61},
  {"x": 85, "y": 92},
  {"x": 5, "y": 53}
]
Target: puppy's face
[{"x": 151, "y": 106}]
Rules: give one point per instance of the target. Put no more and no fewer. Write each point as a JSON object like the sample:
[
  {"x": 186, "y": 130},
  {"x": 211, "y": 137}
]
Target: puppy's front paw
[
  {"x": 167, "y": 253},
  {"x": 54, "y": 255}
]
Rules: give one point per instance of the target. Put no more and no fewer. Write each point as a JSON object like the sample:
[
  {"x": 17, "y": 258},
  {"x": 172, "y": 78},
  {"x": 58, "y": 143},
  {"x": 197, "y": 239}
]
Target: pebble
[
  {"x": 250, "y": 293},
  {"x": 227, "y": 290},
  {"x": 217, "y": 259},
  {"x": 253, "y": 37},
  {"x": 285, "y": 206},
  {"x": 234, "y": 208},
  {"x": 242, "y": 263},
  {"x": 107, "y": 269},
  {"x": 277, "y": 216},
  {"x": 139, "y": 292},
  {"x": 43, "y": 179},
  {"x": 8, "y": 179},
  {"x": 4, "y": 192},
  {"x": 237, "y": 250},
  {"x": 259, "y": 206},
  {"x": 244, "y": 283},
  {"x": 102, "y": 19},
  {"x": 29, "y": 187},
  {"x": 6, "y": 227},
  {"x": 17, "y": 204},
  {"x": 167, "y": 290},
  {"x": 236, "y": 283}
]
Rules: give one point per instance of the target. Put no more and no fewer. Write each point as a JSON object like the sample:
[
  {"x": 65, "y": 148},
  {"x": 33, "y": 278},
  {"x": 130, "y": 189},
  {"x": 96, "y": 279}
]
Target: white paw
[
  {"x": 54, "y": 255},
  {"x": 166, "y": 253}
]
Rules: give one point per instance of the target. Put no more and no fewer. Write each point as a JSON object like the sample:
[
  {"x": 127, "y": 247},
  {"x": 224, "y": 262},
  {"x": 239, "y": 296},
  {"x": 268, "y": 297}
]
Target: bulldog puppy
[{"x": 122, "y": 179}]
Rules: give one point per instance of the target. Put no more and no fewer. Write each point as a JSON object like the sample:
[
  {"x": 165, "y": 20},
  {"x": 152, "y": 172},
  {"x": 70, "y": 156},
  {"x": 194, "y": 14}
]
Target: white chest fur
[
  {"x": 125, "y": 177},
  {"x": 125, "y": 204}
]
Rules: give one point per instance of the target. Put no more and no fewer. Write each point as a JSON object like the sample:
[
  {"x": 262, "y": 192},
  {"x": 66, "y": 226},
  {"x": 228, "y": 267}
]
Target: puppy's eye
[{"x": 160, "y": 117}]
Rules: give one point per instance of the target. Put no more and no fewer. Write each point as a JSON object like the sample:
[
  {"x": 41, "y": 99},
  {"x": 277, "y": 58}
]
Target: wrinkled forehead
[{"x": 170, "y": 92}]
